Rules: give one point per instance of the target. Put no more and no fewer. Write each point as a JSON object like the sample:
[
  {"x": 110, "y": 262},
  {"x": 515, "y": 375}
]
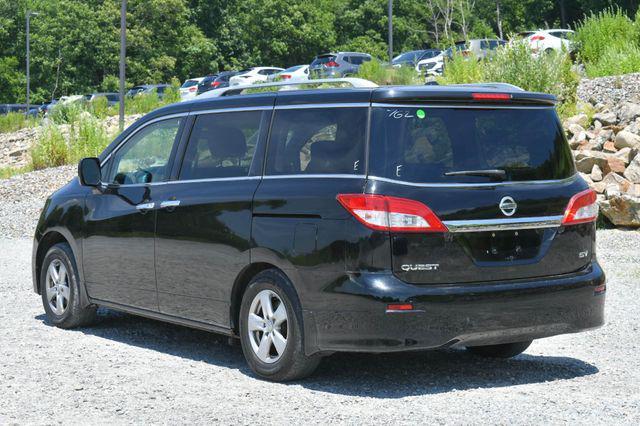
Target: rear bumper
[{"x": 453, "y": 315}]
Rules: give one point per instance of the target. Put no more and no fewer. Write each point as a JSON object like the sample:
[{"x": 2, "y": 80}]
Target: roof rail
[
  {"x": 500, "y": 86},
  {"x": 238, "y": 90}
]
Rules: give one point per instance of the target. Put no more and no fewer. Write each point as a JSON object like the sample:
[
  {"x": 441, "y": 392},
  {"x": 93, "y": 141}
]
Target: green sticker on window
[{"x": 420, "y": 113}]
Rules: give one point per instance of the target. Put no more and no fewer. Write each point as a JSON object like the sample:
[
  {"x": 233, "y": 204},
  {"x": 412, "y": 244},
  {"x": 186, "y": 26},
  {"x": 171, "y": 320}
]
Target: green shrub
[
  {"x": 88, "y": 139},
  {"x": 548, "y": 73},
  {"x": 50, "y": 150},
  {"x": 99, "y": 107},
  {"x": 608, "y": 43},
  {"x": 605, "y": 31},
  {"x": 461, "y": 70},
  {"x": 386, "y": 75},
  {"x": 15, "y": 121},
  {"x": 616, "y": 62},
  {"x": 142, "y": 103},
  {"x": 67, "y": 113}
]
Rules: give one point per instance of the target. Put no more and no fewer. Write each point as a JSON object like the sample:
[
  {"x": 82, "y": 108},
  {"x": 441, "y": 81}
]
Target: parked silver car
[{"x": 336, "y": 65}]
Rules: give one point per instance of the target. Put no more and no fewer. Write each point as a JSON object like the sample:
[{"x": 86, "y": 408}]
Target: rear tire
[
  {"x": 60, "y": 290},
  {"x": 505, "y": 350},
  {"x": 271, "y": 329}
]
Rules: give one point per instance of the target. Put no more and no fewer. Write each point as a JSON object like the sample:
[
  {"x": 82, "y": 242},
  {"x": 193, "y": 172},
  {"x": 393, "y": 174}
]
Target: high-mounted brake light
[
  {"x": 491, "y": 96},
  {"x": 384, "y": 213},
  {"x": 582, "y": 208},
  {"x": 399, "y": 307}
]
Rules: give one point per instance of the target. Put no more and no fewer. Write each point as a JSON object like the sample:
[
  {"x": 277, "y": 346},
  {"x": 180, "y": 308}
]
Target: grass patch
[
  {"x": 51, "y": 149},
  {"x": 7, "y": 172},
  {"x": 14, "y": 121}
]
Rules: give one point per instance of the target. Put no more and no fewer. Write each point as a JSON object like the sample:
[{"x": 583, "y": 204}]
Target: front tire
[
  {"x": 505, "y": 350},
  {"x": 271, "y": 329},
  {"x": 59, "y": 287}
]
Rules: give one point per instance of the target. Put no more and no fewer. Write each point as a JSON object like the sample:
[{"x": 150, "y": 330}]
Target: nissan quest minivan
[{"x": 308, "y": 222}]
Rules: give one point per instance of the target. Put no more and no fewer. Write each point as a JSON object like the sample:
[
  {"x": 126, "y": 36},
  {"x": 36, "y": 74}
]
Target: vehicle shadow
[{"x": 393, "y": 375}]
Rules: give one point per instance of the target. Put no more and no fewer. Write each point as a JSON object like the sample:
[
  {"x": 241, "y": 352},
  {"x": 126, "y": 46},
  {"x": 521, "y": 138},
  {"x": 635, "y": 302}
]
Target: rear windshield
[
  {"x": 323, "y": 60},
  {"x": 189, "y": 83},
  {"x": 422, "y": 144}
]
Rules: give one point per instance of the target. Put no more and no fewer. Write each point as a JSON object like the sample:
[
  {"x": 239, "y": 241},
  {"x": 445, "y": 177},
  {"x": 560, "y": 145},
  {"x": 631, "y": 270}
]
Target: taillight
[
  {"x": 537, "y": 38},
  {"x": 215, "y": 84},
  {"x": 491, "y": 96},
  {"x": 395, "y": 214},
  {"x": 582, "y": 208},
  {"x": 332, "y": 64},
  {"x": 193, "y": 88},
  {"x": 285, "y": 76}
]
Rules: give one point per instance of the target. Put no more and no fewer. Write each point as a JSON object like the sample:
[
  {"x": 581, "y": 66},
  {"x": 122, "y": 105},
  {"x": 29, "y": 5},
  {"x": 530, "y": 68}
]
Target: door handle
[
  {"x": 143, "y": 208},
  {"x": 169, "y": 204}
]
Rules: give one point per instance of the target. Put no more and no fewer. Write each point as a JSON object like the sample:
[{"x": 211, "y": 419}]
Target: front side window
[
  {"x": 221, "y": 145},
  {"x": 317, "y": 141},
  {"x": 425, "y": 144},
  {"x": 145, "y": 156}
]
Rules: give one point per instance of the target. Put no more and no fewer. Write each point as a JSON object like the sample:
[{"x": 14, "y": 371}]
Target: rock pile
[{"x": 605, "y": 149}]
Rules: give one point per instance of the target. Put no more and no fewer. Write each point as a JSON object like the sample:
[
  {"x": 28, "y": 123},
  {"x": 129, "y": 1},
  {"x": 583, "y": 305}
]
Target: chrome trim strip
[
  {"x": 449, "y": 105},
  {"x": 155, "y": 120},
  {"x": 145, "y": 206},
  {"x": 169, "y": 203},
  {"x": 238, "y": 109},
  {"x": 227, "y": 179},
  {"x": 474, "y": 185},
  {"x": 317, "y": 176},
  {"x": 503, "y": 224},
  {"x": 333, "y": 105}
]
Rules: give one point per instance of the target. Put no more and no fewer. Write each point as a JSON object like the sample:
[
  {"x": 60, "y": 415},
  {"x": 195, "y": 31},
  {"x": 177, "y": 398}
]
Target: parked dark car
[
  {"x": 7, "y": 108},
  {"x": 217, "y": 81},
  {"x": 336, "y": 65},
  {"x": 146, "y": 89},
  {"x": 413, "y": 57},
  {"x": 307, "y": 222}
]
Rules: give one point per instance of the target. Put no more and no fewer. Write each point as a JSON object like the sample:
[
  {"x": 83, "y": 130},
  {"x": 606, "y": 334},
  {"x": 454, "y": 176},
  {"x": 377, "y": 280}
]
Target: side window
[
  {"x": 317, "y": 141},
  {"x": 357, "y": 60},
  {"x": 145, "y": 156},
  {"x": 221, "y": 145}
]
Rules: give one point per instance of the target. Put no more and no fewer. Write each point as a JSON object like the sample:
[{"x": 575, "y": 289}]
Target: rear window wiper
[{"x": 495, "y": 174}]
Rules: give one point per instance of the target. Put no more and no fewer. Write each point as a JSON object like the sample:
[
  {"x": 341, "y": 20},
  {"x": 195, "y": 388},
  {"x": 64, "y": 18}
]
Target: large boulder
[
  {"x": 586, "y": 159},
  {"x": 622, "y": 210},
  {"x": 607, "y": 118},
  {"x": 628, "y": 112},
  {"x": 632, "y": 171},
  {"x": 614, "y": 184},
  {"x": 625, "y": 139}
]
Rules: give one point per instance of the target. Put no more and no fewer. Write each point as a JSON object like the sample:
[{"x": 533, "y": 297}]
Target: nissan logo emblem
[{"x": 508, "y": 206}]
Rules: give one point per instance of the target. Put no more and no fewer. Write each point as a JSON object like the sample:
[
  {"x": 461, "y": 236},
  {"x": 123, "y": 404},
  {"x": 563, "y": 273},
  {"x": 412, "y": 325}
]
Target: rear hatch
[{"x": 499, "y": 177}]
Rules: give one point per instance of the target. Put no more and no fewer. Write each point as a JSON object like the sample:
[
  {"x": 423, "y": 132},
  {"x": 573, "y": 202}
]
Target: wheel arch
[
  {"x": 50, "y": 238},
  {"x": 239, "y": 286}
]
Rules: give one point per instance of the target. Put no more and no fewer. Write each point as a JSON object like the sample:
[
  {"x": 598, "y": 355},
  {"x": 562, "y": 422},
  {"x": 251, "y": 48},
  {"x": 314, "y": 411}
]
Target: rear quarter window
[
  {"x": 422, "y": 144},
  {"x": 317, "y": 141}
]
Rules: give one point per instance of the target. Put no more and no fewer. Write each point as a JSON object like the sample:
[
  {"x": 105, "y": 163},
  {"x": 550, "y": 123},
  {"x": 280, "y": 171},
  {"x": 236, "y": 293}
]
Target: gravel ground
[
  {"x": 22, "y": 197},
  {"x": 127, "y": 369}
]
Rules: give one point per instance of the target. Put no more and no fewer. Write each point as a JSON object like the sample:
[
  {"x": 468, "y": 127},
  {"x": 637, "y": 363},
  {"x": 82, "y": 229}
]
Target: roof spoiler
[{"x": 283, "y": 85}]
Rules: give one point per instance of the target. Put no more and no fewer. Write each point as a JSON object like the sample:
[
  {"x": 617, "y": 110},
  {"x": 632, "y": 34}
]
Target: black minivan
[{"x": 307, "y": 222}]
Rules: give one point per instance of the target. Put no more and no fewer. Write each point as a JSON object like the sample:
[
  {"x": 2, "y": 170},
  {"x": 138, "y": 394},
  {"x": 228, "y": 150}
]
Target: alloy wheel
[
  {"x": 268, "y": 326},
  {"x": 57, "y": 287}
]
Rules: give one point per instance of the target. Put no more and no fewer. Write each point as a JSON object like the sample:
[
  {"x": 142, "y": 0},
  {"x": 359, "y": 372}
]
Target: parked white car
[
  {"x": 296, "y": 73},
  {"x": 189, "y": 88},
  {"x": 253, "y": 75},
  {"x": 550, "y": 40}
]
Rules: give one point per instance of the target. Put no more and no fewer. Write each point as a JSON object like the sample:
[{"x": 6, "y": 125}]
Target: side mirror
[{"x": 89, "y": 171}]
